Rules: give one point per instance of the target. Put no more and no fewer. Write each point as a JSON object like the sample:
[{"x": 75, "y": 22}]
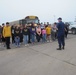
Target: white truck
[{"x": 72, "y": 27}]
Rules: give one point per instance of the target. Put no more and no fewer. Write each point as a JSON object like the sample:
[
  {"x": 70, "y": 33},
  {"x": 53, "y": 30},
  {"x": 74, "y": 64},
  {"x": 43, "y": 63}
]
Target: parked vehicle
[
  {"x": 26, "y": 20},
  {"x": 72, "y": 27}
]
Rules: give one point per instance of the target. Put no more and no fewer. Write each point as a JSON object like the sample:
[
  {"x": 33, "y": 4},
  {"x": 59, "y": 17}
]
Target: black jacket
[
  {"x": 25, "y": 31},
  {"x": 17, "y": 32}
]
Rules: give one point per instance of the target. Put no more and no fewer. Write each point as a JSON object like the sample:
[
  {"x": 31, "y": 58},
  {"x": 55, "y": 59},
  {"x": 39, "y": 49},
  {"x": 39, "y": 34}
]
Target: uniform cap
[{"x": 59, "y": 18}]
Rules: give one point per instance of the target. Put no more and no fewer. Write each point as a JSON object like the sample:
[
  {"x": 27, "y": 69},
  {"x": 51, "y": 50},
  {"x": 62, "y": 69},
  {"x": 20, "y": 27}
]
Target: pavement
[{"x": 39, "y": 59}]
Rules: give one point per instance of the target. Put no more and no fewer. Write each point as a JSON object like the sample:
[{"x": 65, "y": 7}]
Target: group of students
[
  {"x": 26, "y": 34},
  {"x": 30, "y": 34}
]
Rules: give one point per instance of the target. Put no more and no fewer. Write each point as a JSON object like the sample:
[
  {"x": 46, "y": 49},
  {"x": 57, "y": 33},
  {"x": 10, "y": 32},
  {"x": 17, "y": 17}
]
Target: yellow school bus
[{"x": 29, "y": 20}]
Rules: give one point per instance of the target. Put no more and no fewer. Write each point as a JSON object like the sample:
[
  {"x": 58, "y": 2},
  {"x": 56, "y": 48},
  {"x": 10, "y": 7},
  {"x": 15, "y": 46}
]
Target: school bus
[
  {"x": 29, "y": 20},
  {"x": 26, "y": 20}
]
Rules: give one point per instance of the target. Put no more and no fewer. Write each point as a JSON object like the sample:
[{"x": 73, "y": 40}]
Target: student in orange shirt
[{"x": 48, "y": 32}]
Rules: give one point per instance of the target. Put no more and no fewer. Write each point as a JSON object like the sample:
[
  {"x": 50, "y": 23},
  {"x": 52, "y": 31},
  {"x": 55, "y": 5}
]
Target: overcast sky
[{"x": 11, "y": 10}]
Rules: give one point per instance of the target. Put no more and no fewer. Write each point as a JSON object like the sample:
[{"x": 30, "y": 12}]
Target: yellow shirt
[
  {"x": 7, "y": 31},
  {"x": 48, "y": 30}
]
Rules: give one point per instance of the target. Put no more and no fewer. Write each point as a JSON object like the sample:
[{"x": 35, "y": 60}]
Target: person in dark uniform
[{"x": 61, "y": 34}]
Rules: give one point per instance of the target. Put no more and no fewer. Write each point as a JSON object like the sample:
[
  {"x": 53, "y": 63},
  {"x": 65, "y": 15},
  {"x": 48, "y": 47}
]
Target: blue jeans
[
  {"x": 25, "y": 39},
  {"x": 17, "y": 41},
  {"x": 44, "y": 38},
  {"x": 33, "y": 37}
]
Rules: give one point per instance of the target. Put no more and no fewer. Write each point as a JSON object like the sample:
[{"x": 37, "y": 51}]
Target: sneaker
[
  {"x": 25, "y": 44},
  {"x": 50, "y": 41},
  {"x": 16, "y": 46},
  {"x": 4, "y": 45},
  {"x": 47, "y": 41}
]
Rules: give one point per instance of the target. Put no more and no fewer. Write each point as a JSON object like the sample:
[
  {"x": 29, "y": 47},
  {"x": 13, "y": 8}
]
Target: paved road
[
  {"x": 40, "y": 59},
  {"x": 70, "y": 36}
]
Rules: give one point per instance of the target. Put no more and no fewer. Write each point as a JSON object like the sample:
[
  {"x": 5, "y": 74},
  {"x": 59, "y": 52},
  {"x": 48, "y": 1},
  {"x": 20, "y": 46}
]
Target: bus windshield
[{"x": 32, "y": 20}]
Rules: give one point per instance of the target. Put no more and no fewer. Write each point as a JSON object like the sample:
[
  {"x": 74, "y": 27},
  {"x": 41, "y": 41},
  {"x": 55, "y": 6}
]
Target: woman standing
[
  {"x": 54, "y": 32},
  {"x": 25, "y": 35},
  {"x": 38, "y": 33},
  {"x": 21, "y": 34},
  {"x": 43, "y": 35},
  {"x": 33, "y": 33},
  {"x": 17, "y": 36},
  {"x": 48, "y": 32}
]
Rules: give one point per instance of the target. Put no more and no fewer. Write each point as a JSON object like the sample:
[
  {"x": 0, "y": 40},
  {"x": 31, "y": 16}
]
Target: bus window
[
  {"x": 23, "y": 22},
  {"x": 34, "y": 21}
]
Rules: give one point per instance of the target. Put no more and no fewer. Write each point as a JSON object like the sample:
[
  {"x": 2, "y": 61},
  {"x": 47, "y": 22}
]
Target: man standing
[
  {"x": 7, "y": 34},
  {"x": 60, "y": 34},
  {"x": 3, "y": 39}
]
